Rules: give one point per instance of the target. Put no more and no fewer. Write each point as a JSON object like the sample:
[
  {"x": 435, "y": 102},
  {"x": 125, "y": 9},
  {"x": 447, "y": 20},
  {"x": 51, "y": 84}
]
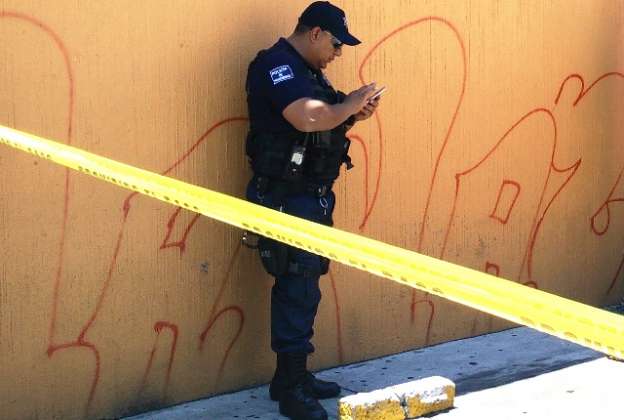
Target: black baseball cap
[{"x": 329, "y": 18}]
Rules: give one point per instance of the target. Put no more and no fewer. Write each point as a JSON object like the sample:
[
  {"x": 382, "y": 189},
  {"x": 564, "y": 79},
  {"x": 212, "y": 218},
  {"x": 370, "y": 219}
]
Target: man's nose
[{"x": 338, "y": 52}]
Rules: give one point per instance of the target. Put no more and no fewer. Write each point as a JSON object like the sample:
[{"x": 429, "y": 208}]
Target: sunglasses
[{"x": 335, "y": 41}]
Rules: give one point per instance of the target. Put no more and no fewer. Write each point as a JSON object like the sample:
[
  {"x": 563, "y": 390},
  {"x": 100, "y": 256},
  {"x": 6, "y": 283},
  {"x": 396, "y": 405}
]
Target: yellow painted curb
[
  {"x": 382, "y": 404},
  {"x": 399, "y": 402},
  {"x": 425, "y": 396}
]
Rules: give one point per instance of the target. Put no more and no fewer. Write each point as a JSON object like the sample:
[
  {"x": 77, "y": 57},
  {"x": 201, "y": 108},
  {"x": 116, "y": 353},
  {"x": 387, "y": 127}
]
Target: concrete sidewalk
[{"x": 514, "y": 374}]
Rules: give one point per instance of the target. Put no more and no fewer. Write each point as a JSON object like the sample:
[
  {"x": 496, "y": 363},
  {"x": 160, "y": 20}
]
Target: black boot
[
  {"x": 318, "y": 388},
  {"x": 295, "y": 400}
]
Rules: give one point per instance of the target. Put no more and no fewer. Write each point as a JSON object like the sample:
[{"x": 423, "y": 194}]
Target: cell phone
[{"x": 377, "y": 94}]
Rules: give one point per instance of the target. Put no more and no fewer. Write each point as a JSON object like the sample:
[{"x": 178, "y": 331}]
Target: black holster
[
  {"x": 276, "y": 260},
  {"x": 274, "y": 256}
]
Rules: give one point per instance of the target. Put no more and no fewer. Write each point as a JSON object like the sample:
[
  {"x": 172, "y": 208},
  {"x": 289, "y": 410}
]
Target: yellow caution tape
[{"x": 564, "y": 318}]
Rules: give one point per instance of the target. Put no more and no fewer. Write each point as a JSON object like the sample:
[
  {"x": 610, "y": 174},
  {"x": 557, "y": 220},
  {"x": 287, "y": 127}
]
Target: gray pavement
[{"x": 514, "y": 374}]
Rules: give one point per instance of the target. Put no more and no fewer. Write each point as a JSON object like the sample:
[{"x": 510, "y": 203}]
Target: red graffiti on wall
[
  {"x": 81, "y": 342},
  {"x": 604, "y": 211},
  {"x": 538, "y": 112},
  {"x": 380, "y": 137},
  {"x": 504, "y": 201},
  {"x": 339, "y": 345},
  {"x": 431, "y": 307},
  {"x": 214, "y": 315},
  {"x": 600, "y": 220},
  {"x": 493, "y": 269},
  {"x": 369, "y": 206},
  {"x": 557, "y": 176},
  {"x": 158, "y": 328},
  {"x": 181, "y": 243},
  {"x": 360, "y": 142},
  {"x": 545, "y": 203}
]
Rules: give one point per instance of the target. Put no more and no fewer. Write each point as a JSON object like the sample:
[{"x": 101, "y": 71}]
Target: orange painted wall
[{"x": 499, "y": 145}]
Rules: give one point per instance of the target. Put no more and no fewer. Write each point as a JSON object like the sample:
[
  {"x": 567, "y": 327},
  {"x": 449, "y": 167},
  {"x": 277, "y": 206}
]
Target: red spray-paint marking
[
  {"x": 506, "y": 186},
  {"x": 338, "y": 322},
  {"x": 106, "y": 286},
  {"x": 492, "y": 269},
  {"x": 181, "y": 244},
  {"x": 158, "y": 328},
  {"x": 78, "y": 344},
  {"x": 215, "y": 316},
  {"x": 370, "y": 207}
]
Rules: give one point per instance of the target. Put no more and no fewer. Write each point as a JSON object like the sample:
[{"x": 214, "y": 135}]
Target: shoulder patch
[{"x": 281, "y": 73}]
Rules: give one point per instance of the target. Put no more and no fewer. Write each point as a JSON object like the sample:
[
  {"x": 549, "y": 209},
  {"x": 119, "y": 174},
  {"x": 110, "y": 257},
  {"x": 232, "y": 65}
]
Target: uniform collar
[{"x": 288, "y": 46}]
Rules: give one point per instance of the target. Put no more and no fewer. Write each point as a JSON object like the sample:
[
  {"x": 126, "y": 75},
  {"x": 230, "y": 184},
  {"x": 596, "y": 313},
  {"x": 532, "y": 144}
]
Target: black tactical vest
[{"x": 270, "y": 153}]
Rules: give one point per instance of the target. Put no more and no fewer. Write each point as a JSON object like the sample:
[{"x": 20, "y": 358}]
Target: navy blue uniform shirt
[{"x": 275, "y": 79}]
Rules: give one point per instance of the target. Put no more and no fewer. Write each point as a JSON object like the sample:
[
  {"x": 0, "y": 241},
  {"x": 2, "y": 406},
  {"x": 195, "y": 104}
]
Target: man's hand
[
  {"x": 368, "y": 110},
  {"x": 357, "y": 100}
]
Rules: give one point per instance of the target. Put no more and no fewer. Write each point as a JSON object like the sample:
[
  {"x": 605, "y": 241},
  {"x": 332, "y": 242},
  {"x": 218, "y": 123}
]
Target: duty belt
[{"x": 265, "y": 184}]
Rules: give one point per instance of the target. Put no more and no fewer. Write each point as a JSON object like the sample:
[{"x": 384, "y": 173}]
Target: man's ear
[{"x": 315, "y": 33}]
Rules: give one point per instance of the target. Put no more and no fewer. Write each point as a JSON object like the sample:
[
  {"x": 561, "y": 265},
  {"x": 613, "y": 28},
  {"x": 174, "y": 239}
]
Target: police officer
[{"x": 296, "y": 146}]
